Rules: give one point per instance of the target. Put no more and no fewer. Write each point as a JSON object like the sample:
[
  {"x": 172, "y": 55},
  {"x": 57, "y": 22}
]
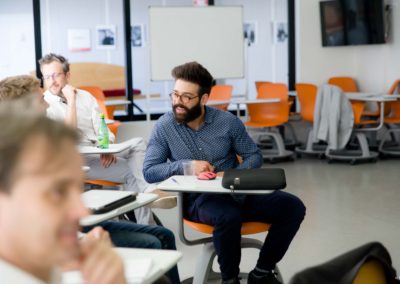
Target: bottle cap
[{"x": 102, "y": 115}]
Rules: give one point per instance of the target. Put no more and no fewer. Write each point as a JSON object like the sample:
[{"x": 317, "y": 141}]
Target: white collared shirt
[
  {"x": 12, "y": 274},
  {"x": 87, "y": 111}
]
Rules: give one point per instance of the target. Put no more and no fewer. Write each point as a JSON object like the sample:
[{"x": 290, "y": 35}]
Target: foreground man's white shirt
[{"x": 12, "y": 274}]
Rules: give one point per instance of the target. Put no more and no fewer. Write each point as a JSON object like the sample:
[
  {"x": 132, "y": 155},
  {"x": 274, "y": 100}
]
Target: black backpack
[{"x": 345, "y": 268}]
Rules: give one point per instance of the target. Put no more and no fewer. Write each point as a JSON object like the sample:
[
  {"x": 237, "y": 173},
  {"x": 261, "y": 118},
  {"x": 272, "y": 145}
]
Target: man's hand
[
  {"x": 69, "y": 93},
  {"x": 202, "y": 166},
  {"x": 99, "y": 263},
  {"x": 95, "y": 234},
  {"x": 107, "y": 160},
  {"x": 98, "y": 233}
]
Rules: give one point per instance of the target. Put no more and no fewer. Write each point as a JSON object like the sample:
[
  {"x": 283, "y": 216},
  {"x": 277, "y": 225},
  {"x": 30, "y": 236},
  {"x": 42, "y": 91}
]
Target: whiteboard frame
[{"x": 227, "y": 59}]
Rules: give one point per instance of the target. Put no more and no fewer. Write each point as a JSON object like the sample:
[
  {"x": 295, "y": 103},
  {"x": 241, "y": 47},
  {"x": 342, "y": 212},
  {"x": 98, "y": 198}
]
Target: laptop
[{"x": 103, "y": 201}]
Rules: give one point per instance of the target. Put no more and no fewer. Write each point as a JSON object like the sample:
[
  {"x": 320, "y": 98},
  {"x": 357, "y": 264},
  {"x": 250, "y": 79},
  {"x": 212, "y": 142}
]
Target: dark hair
[
  {"x": 19, "y": 124},
  {"x": 51, "y": 57},
  {"x": 195, "y": 73}
]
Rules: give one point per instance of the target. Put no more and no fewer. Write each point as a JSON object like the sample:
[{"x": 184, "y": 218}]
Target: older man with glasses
[{"x": 80, "y": 110}]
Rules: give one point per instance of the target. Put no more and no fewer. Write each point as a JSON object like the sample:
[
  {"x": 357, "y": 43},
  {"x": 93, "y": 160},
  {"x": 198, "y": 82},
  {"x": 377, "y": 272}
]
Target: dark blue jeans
[
  {"x": 281, "y": 209},
  {"x": 131, "y": 235}
]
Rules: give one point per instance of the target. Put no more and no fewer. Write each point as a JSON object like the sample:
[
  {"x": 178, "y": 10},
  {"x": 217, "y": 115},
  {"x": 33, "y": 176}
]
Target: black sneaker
[
  {"x": 270, "y": 278},
  {"x": 231, "y": 281}
]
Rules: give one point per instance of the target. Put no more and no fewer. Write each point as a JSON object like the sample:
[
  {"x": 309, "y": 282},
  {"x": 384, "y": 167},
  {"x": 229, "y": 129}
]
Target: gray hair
[{"x": 51, "y": 57}]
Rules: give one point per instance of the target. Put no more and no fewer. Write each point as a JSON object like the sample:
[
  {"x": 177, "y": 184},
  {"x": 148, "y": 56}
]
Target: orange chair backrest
[
  {"x": 221, "y": 92},
  {"x": 358, "y": 108},
  {"x": 347, "y": 84},
  {"x": 394, "y": 107},
  {"x": 99, "y": 96},
  {"x": 273, "y": 90},
  {"x": 270, "y": 111},
  {"x": 307, "y": 94},
  {"x": 260, "y": 83}
]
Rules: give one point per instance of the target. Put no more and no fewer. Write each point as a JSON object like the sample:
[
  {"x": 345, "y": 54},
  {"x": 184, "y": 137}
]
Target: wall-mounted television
[{"x": 352, "y": 22}]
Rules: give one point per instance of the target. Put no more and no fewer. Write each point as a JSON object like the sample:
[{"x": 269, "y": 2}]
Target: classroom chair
[
  {"x": 108, "y": 112},
  {"x": 260, "y": 83},
  {"x": 203, "y": 270},
  {"x": 306, "y": 94},
  {"x": 349, "y": 85},
  {"x": 291, "y": 99},
  {"x": 274, "y": 90},
  {"x": 339, "y": 152},
  {"x": 264, "y": 116},
  {"x": 221, "y": 93}
]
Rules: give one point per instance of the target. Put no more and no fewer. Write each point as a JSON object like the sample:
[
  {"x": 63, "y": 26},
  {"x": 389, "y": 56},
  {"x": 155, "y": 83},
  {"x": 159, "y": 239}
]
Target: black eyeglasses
[
  {"x": 53, "y": 76},
  {"x": 185, "y": 98}
]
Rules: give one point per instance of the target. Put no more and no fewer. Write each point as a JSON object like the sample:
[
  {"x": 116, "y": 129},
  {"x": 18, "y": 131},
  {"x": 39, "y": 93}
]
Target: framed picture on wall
[
  {"x": 280, "y": 33},
  {"x": 250, "y": 33},
  {"x": 79, "y": 40},
  {"x": 106, "y": 37},
  {"x": 137, "y": 35}
]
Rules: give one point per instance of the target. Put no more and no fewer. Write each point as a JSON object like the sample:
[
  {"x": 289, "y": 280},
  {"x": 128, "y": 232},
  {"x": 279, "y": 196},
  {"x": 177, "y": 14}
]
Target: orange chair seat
[
  {"x": 393, "y": 119},
  {"x": 266, "y": 123},
  {"x": 248, "y": 228},
  {"x": 367, "y": 122},
  {"x": 371, "y": 113},
  {"x": 103, "y": 182}
]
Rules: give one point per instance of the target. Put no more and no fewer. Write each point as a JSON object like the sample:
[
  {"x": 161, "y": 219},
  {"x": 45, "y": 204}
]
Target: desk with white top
[
  {"x": 190, "y": 184},
  {"x": 374, "y": 97},
  {"x": 142, "y": 199},
  {"x": 116, "y": 103},
  {"x": 142, "y": 266},
  {"x": 112, "y": 148}
]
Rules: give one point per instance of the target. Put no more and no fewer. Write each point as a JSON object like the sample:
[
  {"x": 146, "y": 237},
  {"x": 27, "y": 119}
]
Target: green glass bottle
[{"x": 102, "y": 138}]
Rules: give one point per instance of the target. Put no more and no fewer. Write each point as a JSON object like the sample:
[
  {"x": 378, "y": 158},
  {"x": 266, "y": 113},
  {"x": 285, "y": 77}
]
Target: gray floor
[{"x": 347, "y": 206}]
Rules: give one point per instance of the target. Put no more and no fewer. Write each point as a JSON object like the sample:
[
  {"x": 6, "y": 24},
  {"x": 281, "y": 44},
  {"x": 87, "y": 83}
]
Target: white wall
[
  {"x": 265, "y": 60},
  {"x": 57, "y": 16},
  {"x": 374, "y": 66},
  {"x": 17, "y": 53}
]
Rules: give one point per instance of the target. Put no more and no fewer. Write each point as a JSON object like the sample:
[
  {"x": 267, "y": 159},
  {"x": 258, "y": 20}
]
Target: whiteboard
[{"x": 212, "y": 36}]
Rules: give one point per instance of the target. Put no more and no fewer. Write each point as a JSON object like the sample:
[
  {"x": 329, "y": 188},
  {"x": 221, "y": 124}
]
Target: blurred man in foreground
[{"x": 40, "y": 203}]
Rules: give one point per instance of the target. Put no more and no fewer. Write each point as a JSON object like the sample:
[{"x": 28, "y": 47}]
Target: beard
[{"x": 190, "y": 115}]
